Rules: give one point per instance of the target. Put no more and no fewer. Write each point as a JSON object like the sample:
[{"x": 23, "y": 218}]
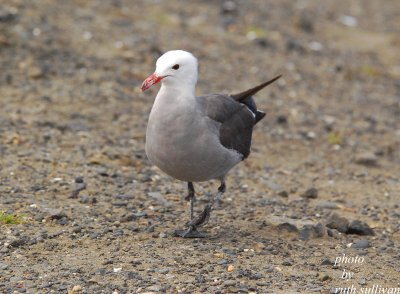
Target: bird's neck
[
  {"x": 177, "y": 89},
  {"x": 172, "y": 107},
  {"x": 176, "y": 94}
]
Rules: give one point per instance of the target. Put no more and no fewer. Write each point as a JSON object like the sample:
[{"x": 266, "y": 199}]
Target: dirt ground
[{"x": 73, "y": 121}]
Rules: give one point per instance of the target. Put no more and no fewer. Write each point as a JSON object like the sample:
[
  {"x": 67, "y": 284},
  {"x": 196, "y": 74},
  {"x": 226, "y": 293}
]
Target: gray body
[
  {"x": 197, "y": 139},
  {"x": 183, "y": 136}
]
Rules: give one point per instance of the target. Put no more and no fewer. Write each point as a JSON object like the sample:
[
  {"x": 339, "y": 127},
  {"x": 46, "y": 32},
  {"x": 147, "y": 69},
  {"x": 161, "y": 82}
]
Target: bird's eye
[{"x": 175, "y": 67}]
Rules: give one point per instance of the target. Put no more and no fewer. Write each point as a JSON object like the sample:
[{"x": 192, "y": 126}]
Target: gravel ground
[{"x": 94, "y": 216}]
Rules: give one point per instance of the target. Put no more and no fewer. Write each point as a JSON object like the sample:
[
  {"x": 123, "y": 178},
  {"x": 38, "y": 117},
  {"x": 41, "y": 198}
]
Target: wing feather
[{"x": 235, "y": 119}]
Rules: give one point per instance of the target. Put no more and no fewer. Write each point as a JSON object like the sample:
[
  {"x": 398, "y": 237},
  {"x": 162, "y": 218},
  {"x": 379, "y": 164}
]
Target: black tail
[
  {"x": 243, "y": 95},
  {"x": 247, "y": 99},
  {"x": 251, "y": 105}
]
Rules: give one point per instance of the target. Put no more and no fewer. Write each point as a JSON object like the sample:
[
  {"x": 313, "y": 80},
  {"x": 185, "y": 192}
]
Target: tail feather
[
  {"x": 243, "y": 95},
  {"x": 259, "y": 116}
]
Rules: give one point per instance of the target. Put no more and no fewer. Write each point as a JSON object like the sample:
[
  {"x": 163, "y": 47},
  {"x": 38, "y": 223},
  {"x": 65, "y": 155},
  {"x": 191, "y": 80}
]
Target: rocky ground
[{"x": 321, "y": 185}]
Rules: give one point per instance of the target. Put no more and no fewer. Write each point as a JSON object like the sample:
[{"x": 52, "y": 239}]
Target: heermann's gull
[{"x": 195, "y": 139}]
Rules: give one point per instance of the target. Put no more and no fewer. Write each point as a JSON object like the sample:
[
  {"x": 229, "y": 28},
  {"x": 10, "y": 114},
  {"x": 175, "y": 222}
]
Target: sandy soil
[{"x": 72, "y": 117}]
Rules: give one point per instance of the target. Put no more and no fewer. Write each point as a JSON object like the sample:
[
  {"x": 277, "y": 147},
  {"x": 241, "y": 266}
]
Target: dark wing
[
  {"x": 237, "y": 114},
  {"x": 236, "y": 121}
]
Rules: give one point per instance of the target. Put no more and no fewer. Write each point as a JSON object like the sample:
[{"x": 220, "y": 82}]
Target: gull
[{"x": 197, "y": 138}]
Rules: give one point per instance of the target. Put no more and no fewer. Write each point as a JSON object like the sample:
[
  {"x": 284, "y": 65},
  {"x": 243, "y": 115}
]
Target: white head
[{"x": 175, "y": 68}]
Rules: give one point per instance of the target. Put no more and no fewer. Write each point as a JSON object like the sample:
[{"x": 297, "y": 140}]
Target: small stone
[
  {"x": 327, "y": 261},
  {"x": 162, "y": 270},
  {"x": 200, "y": 279},
  {"x": 76, "y": 288},
  {"x": 359, "y": 228},
  {"x": 287, "y": 262},
  {"x": 35, "y": 72},
  {"x": 283, "y": 194},
  {"x": 362, "y": 282},
  {"x": 230, "y": 283},
  {"x": 140, "y": 214},
  {"x": 3, "y": 266},
  {"x": 348, "y": 20},
  {"x": 222, "y": 262},
  {"x": 327, "y": 205},
  {"x": 258, "y": 247},
  {"x": 21, "y": 241},
  {"x": 79, "y": 179},
  {"x": 306, "y": 23},
  {"x": 367, "y": 159},
  {"x": 154, "y": 288},
  {"x": 294, "y": 45},
  {"x": 282, "y": 119},
  {"x": 229, "y": 7},
  {"x": 324, "y": 277},
  {"x": 288, "y": 227},
  {"x": 231, "y": 268},
  {"x": 311, "y": 193},
  {"x": 337, "y": 222},
  {"x": 78, "y": 188},
  {"x": 361, "y": 244},
  {"x": 8, "y": 15},
  {"x": 133, "y": 276},
  {"x": 84, "y": 199}
]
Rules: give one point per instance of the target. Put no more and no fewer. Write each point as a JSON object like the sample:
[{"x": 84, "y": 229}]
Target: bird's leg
[
  {"x": 203, "y": 218},
  {"x": 191, "y": 197},
  {"x": 190, "y": 232}
]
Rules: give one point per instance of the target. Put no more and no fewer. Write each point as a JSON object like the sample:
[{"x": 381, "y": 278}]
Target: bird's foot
[{"x": 191, "y": 232}]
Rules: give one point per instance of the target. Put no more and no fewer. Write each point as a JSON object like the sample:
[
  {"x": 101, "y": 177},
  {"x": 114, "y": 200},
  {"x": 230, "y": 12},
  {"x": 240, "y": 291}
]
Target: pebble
[
  {"x": 154, "y": 288},
  {"x": 337, "y": 222},
  {"x": 200, "y": 278},
  {"x": 327, "y": 261},
  {"x": 3, "y": 266},
  {"x": 362, "y": 281},
  {"x": 222, "y": 262},
  {"x": 230, "y": 283},
  {"x": 283, "y": 194},
  {"x": 366, "y": 159},
  {"x": 76, "y": 288},
  {"x": 362, "y": 244},
  {"x": 360, "y": 228},
  {"x": 327, "y": 205},
  {"x": 282, "y": 119},
  {"x": 294, "y": 45},
  {"x": 348, "y": 20},
  {"x": 324, "y": 277},
  {"x": 287, "y": 262},
  {"x": 312, "y": 231},
  {"x": 162, "y": 270},
  {"x": 306, "y": 22},
  {"x": 54, "y": 214},
  {"x": 311, "y": 193},
  {"x": 35, "y": 72},
  {"x": 16, "y": 279},
  {"x": 8, "y": 15}
]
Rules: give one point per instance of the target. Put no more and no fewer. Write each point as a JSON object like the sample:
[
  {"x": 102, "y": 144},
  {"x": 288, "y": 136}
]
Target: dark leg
[
  {"x": 203, "y": 218},
  {"x": 191, "y": 197}
]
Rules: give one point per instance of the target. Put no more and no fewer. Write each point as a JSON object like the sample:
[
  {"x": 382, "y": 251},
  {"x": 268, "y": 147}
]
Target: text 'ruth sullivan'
[{"x": 375, "y": 289}]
